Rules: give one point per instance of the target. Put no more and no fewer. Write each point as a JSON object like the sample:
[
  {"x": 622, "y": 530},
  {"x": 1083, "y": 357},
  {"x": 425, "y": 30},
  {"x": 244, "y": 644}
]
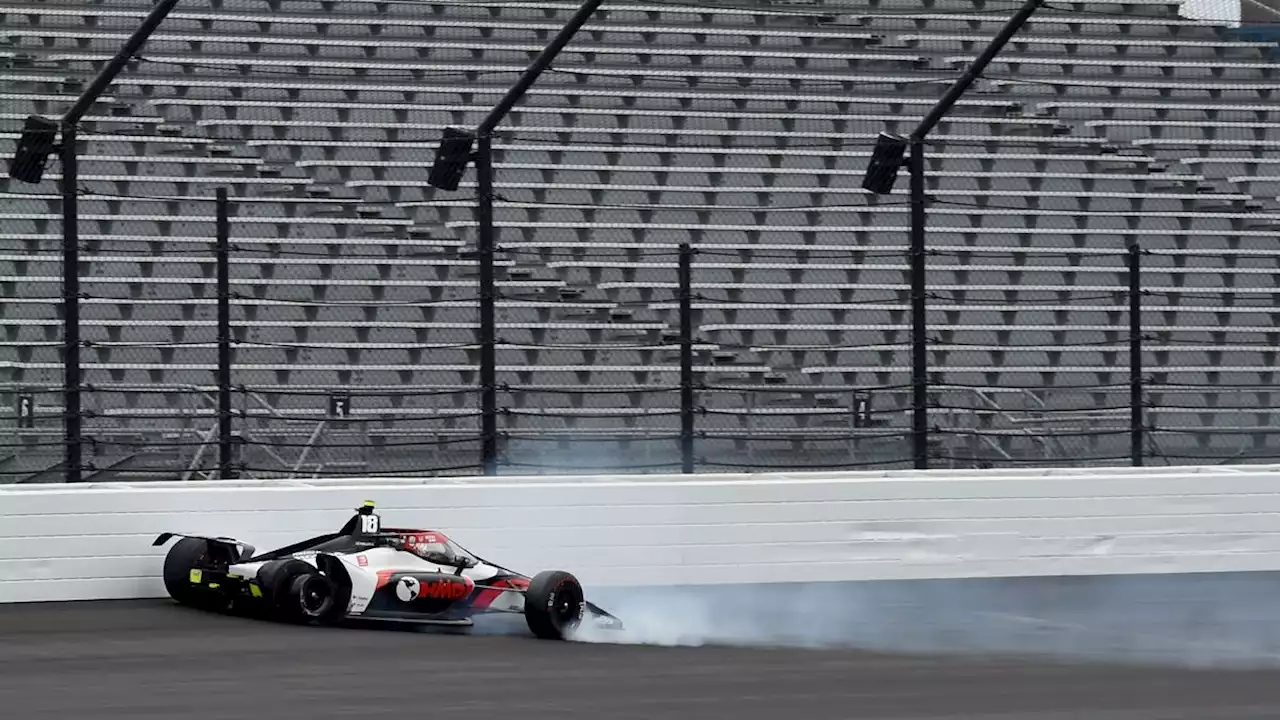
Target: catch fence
[{"x": 245, "y": 356}]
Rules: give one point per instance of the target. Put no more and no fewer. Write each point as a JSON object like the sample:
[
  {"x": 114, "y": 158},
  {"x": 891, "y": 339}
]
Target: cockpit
[
  {"x": 425, "y": 543},
  {"x": 435, "y": 547},
  {"x": 430, "y": 545}
]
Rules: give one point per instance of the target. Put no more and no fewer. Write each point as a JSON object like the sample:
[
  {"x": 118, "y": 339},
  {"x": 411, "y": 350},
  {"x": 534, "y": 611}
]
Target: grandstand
[{"x": 742, "y": 128}]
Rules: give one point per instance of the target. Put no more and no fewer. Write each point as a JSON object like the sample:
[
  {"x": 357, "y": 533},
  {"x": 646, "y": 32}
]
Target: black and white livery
[{"x": 370, "y": 572}]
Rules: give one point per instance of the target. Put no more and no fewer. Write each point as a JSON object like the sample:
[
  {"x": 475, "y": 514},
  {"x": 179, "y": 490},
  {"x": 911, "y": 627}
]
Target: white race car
[{"x": 368, "y": 572}]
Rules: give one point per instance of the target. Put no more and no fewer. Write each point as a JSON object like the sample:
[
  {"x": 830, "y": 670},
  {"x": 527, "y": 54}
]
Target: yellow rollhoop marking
[{"x": 196, "y": 576}]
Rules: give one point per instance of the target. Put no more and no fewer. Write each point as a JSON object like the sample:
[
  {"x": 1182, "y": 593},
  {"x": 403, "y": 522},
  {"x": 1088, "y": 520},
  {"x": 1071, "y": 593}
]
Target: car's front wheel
[{"x": 554, "y": 605}]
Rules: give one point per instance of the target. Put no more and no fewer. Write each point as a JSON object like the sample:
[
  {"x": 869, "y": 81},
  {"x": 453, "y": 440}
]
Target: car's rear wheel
[
  {"x": 299, "y": 593},
  {"x": 554, "y": 605},
  {"x": 315, "y": 595},
  {"x": 183, "y": 573}
]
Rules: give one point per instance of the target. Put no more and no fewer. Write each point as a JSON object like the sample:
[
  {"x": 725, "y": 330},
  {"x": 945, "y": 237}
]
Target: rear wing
[
  {"x": 365, "y": 524},
  {"x": 234, "y": 548}
]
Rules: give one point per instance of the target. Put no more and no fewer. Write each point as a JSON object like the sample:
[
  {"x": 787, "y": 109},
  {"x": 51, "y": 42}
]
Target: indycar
[{"x": 366, "y": 571}]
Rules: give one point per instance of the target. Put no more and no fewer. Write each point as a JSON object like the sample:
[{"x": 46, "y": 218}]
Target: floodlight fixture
[
  {"x": 886, "y": 160},
  {"x": 452, "y": 157},
  {"x": 37, "y": 143}
]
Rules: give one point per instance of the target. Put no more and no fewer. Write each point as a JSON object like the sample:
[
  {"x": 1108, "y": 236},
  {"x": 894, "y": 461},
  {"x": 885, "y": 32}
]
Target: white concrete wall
[{"x": 93, "y": 541}]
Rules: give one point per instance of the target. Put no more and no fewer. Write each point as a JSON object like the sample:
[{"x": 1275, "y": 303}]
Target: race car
[{"x": 369, "y": 572}]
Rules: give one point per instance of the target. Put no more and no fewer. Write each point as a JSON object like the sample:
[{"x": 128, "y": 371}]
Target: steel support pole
[
  {"x": 117, "y": 62},
  {"x": 488, "y": 333},
  {"x": 71, "y": 305},
  {"x": 919, "y": 320},
  {"x": 975, "y": 69},
  {"x": 919, "y": 329},
  {"x": 1137, "y": 420},
  {"x": 686, "y": 358},
  {"x": 222, "y": 252},
  {"x": 485, "y": 241},
  {"x": 71, "y": 235},
  {"x": 538, "y": 66}
]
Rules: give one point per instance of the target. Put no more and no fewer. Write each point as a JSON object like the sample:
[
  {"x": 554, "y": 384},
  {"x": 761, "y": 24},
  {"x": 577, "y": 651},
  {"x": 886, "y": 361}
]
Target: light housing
[
  {"x": 452, "y": 157},
  {"x": 886, "y": 159},
  {"x": 38, "y": 142}
]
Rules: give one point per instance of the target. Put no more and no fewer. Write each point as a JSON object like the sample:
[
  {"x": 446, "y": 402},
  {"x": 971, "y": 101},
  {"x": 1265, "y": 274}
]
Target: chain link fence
[{"x": 344, "y": 333}]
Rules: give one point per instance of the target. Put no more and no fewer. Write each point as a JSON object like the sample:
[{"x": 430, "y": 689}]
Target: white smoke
[
  {"x": 590, "y": 458},
  {"x": 1212, "y": 620},
  {"x": 1205, "y": 620}
]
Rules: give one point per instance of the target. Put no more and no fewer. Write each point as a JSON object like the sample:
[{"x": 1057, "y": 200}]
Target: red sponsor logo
[
  {"x": 362, "y": 561},
  {"x": 447, "y": 588}
]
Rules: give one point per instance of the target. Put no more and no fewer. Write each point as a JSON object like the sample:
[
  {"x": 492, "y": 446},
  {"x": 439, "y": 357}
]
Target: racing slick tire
[
  {"x": 554, "y": 605},
  {"x": 300, "y": 594},
  {"x": 181, "y": 564}
]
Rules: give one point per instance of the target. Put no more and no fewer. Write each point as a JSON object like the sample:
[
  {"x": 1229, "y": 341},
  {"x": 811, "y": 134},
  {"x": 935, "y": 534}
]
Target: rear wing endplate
[{"x": 239, "y": 549}]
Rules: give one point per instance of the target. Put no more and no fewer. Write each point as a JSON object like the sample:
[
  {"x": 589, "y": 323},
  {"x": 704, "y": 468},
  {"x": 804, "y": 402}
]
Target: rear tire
[
  {"x": 186, "y": 555},
  {"x": 554, "y": 605},
  {"x": 316, "y": 597},
  {"x": 301, "y": 594}
]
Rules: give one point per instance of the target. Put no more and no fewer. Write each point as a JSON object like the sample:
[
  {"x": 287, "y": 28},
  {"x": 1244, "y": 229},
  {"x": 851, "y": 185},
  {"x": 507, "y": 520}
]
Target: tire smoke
[{"x": 1209, "y": 620}]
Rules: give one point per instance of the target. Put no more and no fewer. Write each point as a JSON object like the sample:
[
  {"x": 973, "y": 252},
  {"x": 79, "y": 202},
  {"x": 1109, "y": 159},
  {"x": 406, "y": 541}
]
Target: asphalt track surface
[{"x": 141, "y": 660}]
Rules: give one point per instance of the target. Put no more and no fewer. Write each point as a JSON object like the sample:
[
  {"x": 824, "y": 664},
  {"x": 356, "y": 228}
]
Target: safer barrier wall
[{"x": 93, "y": 541}]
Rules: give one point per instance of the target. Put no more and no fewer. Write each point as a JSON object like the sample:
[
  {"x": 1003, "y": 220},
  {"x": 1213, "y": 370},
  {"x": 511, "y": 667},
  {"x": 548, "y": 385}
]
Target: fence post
[
  {"x": 686, "y": 357},
  {"x": 488, "y": 333},
  {"x": 222, "y": 252},
  {"x": 919, "y": 327},
  {"x": 71, "y": 304},
  {"x": 1136, "y": 419}
]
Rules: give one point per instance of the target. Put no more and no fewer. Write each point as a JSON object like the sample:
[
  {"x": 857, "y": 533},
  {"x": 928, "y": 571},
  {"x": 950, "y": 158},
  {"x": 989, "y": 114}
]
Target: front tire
[{"x": 554, "y": 605}]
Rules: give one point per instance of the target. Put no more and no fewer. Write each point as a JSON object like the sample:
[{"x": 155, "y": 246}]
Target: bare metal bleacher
[{"x": 1054, "y": 152}]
